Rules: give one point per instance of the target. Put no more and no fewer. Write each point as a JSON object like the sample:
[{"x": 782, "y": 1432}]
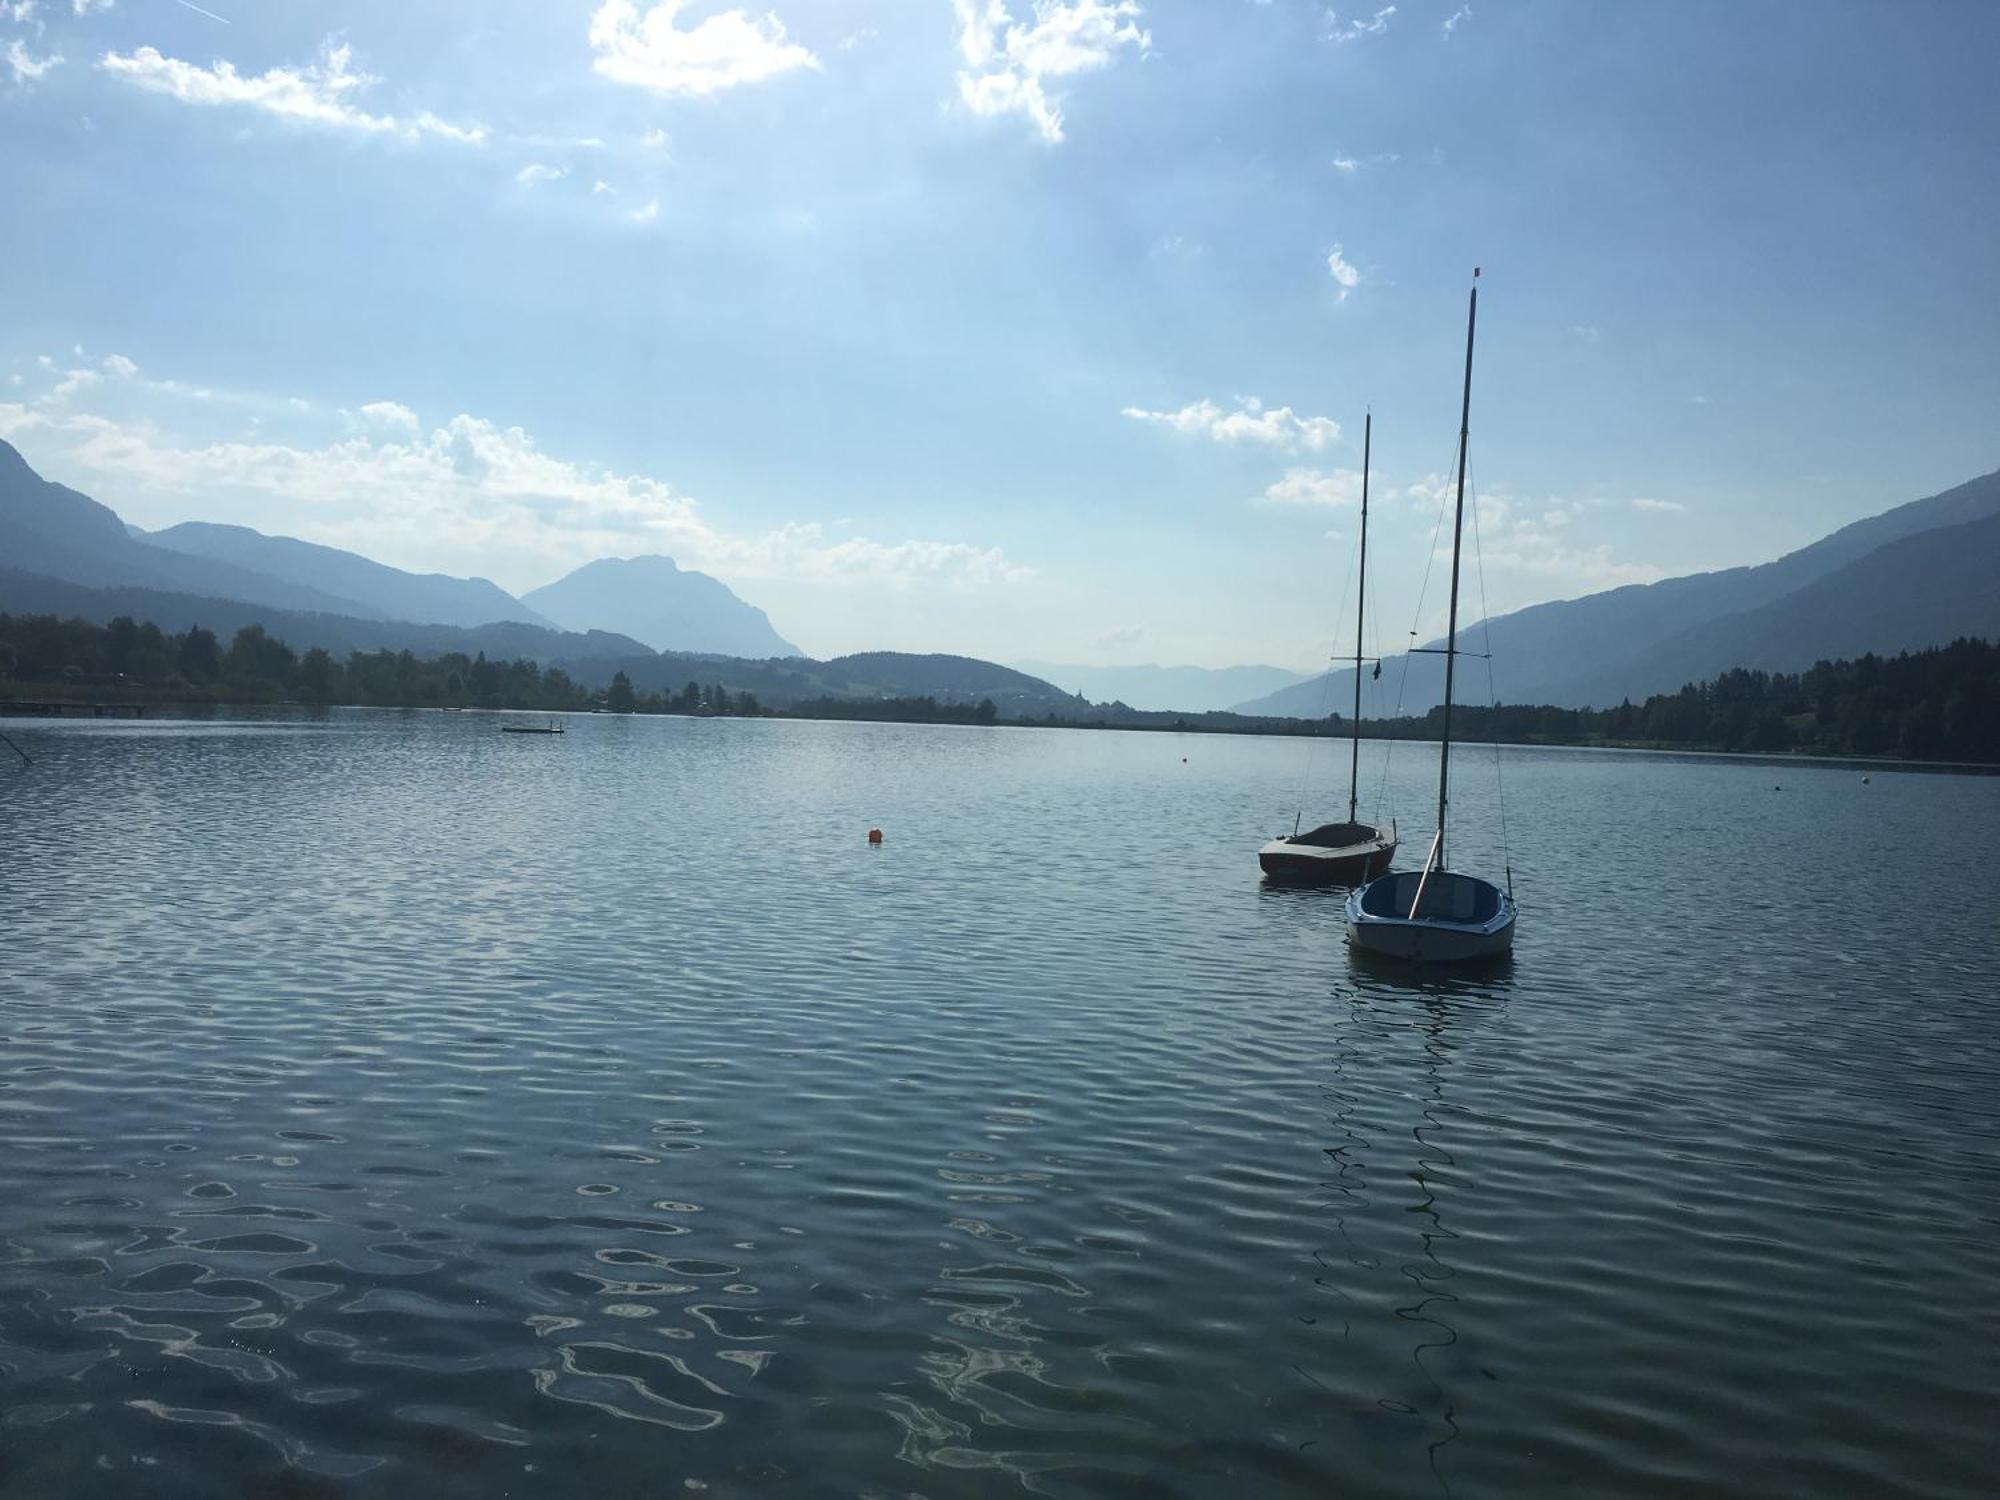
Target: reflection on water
[
  {"x": 1393, "y": 1169},
  {"x": 388, "y": 1107}
]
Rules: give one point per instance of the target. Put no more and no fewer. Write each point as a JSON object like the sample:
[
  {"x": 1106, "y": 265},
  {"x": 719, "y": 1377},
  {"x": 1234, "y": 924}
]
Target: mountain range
[
  {"x": 1917, "y": 575},
  {"x": 56, "y": 533},
  {"x": 360, "y": 582},
  {"x": 63, "y": 553}
]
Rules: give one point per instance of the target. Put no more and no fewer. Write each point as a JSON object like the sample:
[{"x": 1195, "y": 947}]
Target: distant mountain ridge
[
  {"x": 1917, "y": 575},
  {"x": 1649, "y": 638},
  {"x": 51, "y": 529},
  {"x": 652, "y": 599},
  {"x": 53, "y": 532},
  {"x": 427, "y": 598},
  {"x": 32, "y": 593}
]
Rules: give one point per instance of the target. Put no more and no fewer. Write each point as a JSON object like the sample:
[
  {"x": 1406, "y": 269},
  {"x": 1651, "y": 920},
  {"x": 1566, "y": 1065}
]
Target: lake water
[{"x": 390, "y": 1107}]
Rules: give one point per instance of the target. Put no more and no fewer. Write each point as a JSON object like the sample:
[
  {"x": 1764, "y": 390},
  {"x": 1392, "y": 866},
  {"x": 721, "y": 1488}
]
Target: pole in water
[
  {"x": 1457, "y": 531},
  {"x": 26, "y": 759},
  {"x": 1360, "y": 619}
]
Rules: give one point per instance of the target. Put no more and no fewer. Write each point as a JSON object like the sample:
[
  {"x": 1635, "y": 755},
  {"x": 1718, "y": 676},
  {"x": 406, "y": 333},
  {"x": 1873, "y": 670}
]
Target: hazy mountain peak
[{"x": 653, "y": 599}]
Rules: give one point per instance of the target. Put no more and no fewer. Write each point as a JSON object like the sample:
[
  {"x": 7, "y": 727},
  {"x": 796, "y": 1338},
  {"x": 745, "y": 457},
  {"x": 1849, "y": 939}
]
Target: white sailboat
[
  {"x": 1436, "y": 914},
  {"x": 1351, "y": 852}
]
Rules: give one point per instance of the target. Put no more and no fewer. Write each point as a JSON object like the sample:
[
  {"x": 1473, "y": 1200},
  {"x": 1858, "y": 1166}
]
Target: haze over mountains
[
  {"x": 50, "y": 529},
  {"x": 1917, "y": 575},
  {"x": 429, "y": 598},
  {"x": 653, "y": 600},
  {"x": 55, "y": 533},
  {"x": 65, "y": 554}
]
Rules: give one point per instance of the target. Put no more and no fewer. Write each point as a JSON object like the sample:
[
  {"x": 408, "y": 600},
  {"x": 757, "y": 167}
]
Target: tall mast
[
  {"x": 1360, "y": 615},
  {"x": 1457, "y": 527}
]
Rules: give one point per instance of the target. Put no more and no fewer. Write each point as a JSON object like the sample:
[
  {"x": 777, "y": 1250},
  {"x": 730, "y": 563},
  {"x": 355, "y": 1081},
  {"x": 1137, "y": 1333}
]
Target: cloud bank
[{"x": 317, "y": 93}]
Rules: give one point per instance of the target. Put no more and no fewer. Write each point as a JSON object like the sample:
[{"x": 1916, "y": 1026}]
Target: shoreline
[{"x": 181, "y": 710}]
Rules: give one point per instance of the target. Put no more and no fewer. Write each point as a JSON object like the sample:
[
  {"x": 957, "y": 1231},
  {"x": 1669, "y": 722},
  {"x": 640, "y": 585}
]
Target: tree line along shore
[{"x": 1938, "y": 704}]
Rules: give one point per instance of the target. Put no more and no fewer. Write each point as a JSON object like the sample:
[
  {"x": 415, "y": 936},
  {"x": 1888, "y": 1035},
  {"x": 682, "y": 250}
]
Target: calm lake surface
[{"x": 391, "y": 1107}]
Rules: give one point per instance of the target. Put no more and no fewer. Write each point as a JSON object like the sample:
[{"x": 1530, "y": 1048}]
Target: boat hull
[
  {"x": 1462, "y": 918},
  {"x": 1331, "y": 854},
  {"x": 1281, "y": 859}
]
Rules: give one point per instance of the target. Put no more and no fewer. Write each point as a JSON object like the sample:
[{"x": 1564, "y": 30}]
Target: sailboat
[
  {"x": 1436, "y": 914},
  {"x": 1351, "y": 852}
]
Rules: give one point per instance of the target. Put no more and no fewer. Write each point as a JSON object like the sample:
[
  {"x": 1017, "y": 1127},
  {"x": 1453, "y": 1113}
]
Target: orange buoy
[{"x": 874, "y": 835}]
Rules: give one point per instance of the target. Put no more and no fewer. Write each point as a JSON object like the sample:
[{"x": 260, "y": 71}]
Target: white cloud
[
  {"x": 1349, "y": 165},
  {"x": 25, "y": 66},
  {"x": 1251, "y": 422},
  {"x": 855, "y": 38},
  {"x": 1346, "y": 276},
  {"x": 1451, "y": 22},
  {"x": 1355, "y": 29},
  {"x": 601, "y": 187},
  {"x": 536, "y": 172},
  {"x": 655, "y": 139},
  {"x": 647, "y": 213},
  {"x": 85, "y": 7},
  {"x": 1520, "y": 536},
  {"x": 392, "y": 414},
  {"x": 1584, "y": 333},
  {"x": 120, "y": 366},
  {"x": 21, "y": 13},
  {"x": 316, "y": 93},
  {"x": 1643, "y": 502},
  {"x": 74, "y": 381},
  {"x": 475, "y": 496},
  {"x": 1316, "y": 488},
  {"x": 1006, "y": 61},
  {"x": 646, "y": 48},
  {"x": 15, "y": 417}
]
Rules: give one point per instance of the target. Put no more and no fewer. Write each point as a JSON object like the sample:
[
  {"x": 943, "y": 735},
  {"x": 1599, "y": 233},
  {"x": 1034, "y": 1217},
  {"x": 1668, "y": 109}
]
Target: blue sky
[{"x": 1013, "y": 329}]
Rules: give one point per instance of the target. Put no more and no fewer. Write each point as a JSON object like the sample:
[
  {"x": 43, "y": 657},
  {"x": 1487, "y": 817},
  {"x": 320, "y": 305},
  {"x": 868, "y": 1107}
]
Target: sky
[{"x": 1018, "y": 328}]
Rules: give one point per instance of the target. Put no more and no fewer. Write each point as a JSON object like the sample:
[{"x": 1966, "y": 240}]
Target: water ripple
[{"x": 388, "y": 1112}]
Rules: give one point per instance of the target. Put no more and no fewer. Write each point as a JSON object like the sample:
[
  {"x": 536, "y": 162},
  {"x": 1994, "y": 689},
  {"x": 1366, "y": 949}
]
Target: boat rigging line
[
  {"x": 1325, "y": 702},
  {"x": 1492, "y": 693},
  {"x": 1416, "y": 618}
]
